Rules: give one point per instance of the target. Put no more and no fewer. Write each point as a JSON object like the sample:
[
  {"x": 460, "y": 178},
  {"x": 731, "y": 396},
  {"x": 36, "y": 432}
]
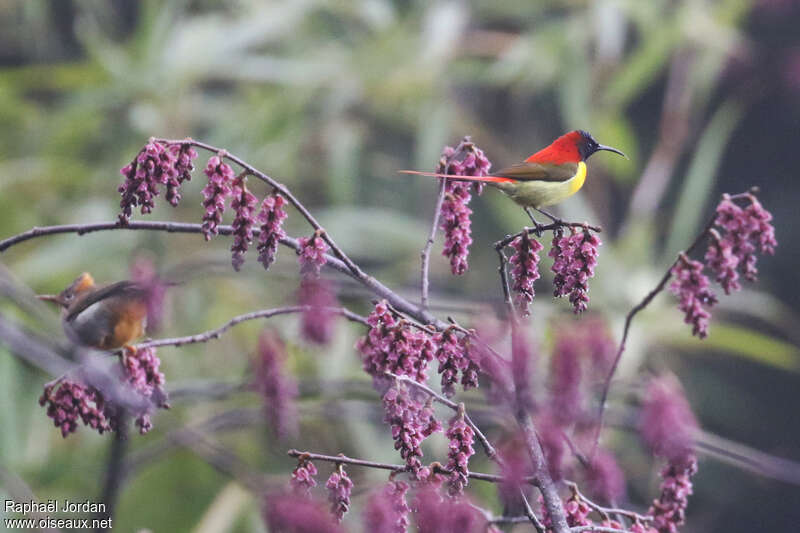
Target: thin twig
[
  {"x": 114, "y": 472},
  {"x": 606, "y": 511},
  {"x": 264, "y": 313},
  {"x": 505, "y": 241}
]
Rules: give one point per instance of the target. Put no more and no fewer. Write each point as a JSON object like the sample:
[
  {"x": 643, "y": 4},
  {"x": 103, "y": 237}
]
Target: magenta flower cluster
[
  {"x": 317, "y": 324},
  {"x": 455, "y": 213},
  {"x": 453, "y": 354},
  {"x": 565, "y": 379},
  {"x": 605, "y": 478},
  {"x": 577, "y": 511},
  {"x": 185, "y": 154},
  {"x": 461, "y": 437},
  {"x": 411, "y": 420},
  {"x": 666, "y": 421},
  {"x": 284, "y": 512},
  {"x": 694, "y": 293},
  {"x": 69, "y": 401},
  {"x": 393, "y": 345},
  {"x": 339, "y": 486},
  {"x": 311, "y": 255},
  {"x": 574, "y": 260},
  {"x": 243, "y": 204},
  {"x": 524, "y": 269},
  {"x": 740, "y": 232},
  {"x": 277, "y": 388},
  {"x": 434, "y": 514},
  {"x": 270, "y": 218},
  {"x": 141, "y": 368},
  {"x": 744, "y": 231},
  {"x": 302, "y": 480},
  {"x": 387, "y": 510},
  {"x": 215, "y": 193},
  {"x": 154, "y": 165},
  {"x": 669, "y": 509}
]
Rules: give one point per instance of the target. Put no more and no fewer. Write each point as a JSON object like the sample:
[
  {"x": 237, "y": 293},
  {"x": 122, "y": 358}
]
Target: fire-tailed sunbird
[{"x": 547, "y": 177}]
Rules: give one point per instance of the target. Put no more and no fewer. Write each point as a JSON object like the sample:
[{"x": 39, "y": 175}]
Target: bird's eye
[{"x": 69, "y": 296}]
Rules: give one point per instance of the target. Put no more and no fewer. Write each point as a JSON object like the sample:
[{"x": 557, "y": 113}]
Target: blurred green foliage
[{"x": 332, "y": 98}]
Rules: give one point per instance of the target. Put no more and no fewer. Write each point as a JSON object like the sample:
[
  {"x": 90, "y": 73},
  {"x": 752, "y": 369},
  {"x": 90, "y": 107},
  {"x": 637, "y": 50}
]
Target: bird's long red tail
[{"x": 485, "y": 179}]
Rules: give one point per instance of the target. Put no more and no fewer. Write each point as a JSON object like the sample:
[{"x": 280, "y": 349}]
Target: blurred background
[{"x": 332, "y": 98}]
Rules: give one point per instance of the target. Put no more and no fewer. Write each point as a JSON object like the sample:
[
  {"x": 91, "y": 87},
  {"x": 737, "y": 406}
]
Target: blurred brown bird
[{"x": 102, "y": 316}]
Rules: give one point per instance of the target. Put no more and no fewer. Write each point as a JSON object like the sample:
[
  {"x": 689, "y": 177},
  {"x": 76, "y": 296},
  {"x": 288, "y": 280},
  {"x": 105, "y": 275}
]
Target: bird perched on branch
[
  {"x": 548, "y": 177},
  {"x": 104, "y": 317}
]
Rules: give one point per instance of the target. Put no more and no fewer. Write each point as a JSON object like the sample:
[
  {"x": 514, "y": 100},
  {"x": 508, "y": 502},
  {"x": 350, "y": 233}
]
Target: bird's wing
[
  {"x": 538, "y": 172},
  {"x": 127, "y": 288}
]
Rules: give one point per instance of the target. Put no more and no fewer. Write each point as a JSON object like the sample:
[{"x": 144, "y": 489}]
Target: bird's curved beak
[
  {"x": 610, "y": 149},
  {"x": 48, "y": 298}
]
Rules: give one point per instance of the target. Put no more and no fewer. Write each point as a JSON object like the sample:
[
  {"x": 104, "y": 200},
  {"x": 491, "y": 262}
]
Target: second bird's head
[{"x": 65, "y": 298}]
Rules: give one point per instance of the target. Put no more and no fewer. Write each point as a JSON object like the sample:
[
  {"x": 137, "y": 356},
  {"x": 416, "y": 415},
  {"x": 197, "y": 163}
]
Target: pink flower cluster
[
  {"x": 669, "y": 509},
  {"x": 339, "y": 486},
  {"x": 387, "y": 510},
  {"x": 215, "y": 193},
  {"x": 141, "y": 368},
  {"x": 694, "y": 293},
  {"x": 740, "y": 232},
  {"x": 577, "y": 512},
  {"x": 524, "y": 269},
  {"x": 144, "y": 273},
  {"x": 434, "y": 514},
  {"x": 744, "y": 230},
  {"x": 277, "y": 388},
  {"x": 155, "y": 165},
  {"x": 566, "y": 400},
  {"x": 270, "y": 217},
  {"x": 302, "y": 480},
  {"x": 574, "y": 261},
  {"x": 455, "y": 221},
  {"x": 69, "y": 401},
  {"x": 312, "y": 255},
  {"x": 453, "y": 356},
  {"x": 318, "y": 323},
  {"x": 461, "y": 437},
  {"x": 605, "y": 478},
  {"x": 185, "y": 154},
  {"x": 411, "y": 419},
  {"x": 393, "y": 345},
  {"x": 286, "y": 513},
  {"x": 666, "y": 421},
  {"x": 243, "y": 204}
]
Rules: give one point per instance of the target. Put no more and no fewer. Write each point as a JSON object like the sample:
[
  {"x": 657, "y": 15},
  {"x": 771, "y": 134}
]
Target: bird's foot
[
  {"x": 537, "y": 228},
  {"x": 554, "y": 218}
]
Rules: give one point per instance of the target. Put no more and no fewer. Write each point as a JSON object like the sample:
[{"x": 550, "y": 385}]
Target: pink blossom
[
  {"x": 184, "y": 154},
  {"x": 277, "y": 388},
  {"x": 141, "y": 369},
  {"x": 270, "y": 217},
  {"x": 525, "y": 269},
  {"x": 243, "y": 205},
  {"x": 669, "y": 510},
  {"x": 302, "y": 480},
  {"x": 339, "y": 486},
  {"x": 220, "y": 175},
  {"x": 455, "y": 213},
  {"x": 666, "y": 421},
  {"x": 312, "y": 255},
  {"x": 695, "y": 297},
  {"x": 68, "y": 401},
  {"x": 605, "y": 478},
  {"x": 318, "y": 323},
  {"x": 387, "y": 510},
  {"x": 460, "y": 449},
  {"x": 574, "y": 261},
  {"x": 286, "y": 513},
  {"x": 152, "y": 167}
]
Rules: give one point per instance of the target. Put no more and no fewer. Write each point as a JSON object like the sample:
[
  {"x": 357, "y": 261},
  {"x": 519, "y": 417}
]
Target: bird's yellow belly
[{"x": 540, "y": 193}]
